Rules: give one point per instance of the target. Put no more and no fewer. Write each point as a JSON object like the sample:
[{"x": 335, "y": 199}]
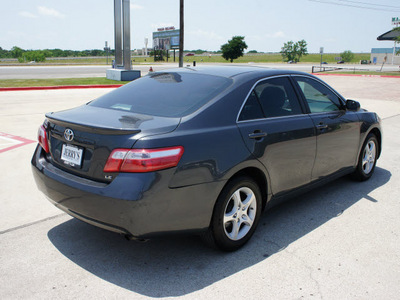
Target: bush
[
  {"x": 37, "y": 56},
  {"x": 347, "y": 56},
  {"x": 159, "y": 55}
]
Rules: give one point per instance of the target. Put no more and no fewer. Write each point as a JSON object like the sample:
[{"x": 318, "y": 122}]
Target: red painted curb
[
  {"x": 64, "y": 87},
  {"x": 355, "y": 75}
]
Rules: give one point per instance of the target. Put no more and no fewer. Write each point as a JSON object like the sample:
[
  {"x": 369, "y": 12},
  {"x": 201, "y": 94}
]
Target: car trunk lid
[{"x": 81, "y": 139}]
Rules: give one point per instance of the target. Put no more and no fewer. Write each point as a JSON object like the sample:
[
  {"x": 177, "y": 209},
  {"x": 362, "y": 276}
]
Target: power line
[
  {"x": 356, "y": 6},
  {"x": 369, "y": 3}
]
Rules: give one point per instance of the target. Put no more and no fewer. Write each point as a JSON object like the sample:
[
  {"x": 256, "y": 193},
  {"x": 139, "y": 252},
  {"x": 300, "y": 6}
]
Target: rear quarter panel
[{"x": 213, "y": 146}]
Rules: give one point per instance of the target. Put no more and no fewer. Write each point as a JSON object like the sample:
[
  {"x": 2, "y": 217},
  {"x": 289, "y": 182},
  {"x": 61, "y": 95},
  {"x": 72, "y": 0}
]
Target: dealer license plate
[{"x": 71, "y": 155}]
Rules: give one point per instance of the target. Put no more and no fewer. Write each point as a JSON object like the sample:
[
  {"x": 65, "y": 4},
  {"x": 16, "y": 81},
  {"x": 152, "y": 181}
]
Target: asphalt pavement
[
  {"x": 340, "y": 241},
  {"x": 45, "y": 72}
]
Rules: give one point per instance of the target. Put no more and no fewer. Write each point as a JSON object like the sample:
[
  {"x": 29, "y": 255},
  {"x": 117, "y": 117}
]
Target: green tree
[
  {"x": 16, "y": 52},
  {"x": 301, "y": 49},
  {"x": 287, "y": 51},
  {"x": 292, "y": 51},
  {"x": 347, "y": 56},
  {"x": 47, "y": 53},
  {"x": 4, "y": 53},
  {"x": 36, "y": 55},
  {"x": 234, "y": 48}
]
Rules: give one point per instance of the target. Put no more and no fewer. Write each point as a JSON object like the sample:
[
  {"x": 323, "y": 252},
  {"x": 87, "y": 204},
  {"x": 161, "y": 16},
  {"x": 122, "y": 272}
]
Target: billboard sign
[
  {"x": 395, "y": 21},
  {"x": 166, "y": 38}
]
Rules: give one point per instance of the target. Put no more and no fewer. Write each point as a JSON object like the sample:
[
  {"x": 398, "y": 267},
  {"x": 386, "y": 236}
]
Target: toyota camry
[{"x": 201, "y": 150}]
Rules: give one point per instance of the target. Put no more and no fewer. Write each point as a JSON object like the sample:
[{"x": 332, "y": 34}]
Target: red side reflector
[
  {"x": 42, "y": 138},
  {"x": 143, "y": 160}
]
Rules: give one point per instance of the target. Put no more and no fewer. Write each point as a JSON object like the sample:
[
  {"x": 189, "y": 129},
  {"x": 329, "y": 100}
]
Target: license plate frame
[{"x": 71, "y": 155}]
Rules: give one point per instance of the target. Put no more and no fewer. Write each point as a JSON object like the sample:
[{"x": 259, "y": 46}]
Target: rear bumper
[{"x": 140, "y": 204}]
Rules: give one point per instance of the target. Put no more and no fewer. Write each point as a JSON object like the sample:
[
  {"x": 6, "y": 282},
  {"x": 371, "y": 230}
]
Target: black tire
[
  {"x": 236, "y": 215},
  {"x": 367, "y": 158}
]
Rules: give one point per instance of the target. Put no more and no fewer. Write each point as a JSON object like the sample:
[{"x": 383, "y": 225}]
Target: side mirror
[{"x": 353, "y": 105}]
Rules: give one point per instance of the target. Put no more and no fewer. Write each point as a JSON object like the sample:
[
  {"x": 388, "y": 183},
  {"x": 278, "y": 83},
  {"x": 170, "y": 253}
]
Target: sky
[{"x": 336, "y": 25}]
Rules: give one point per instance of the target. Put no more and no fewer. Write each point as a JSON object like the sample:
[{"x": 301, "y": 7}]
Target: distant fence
[{"x": 322, "y": 68}]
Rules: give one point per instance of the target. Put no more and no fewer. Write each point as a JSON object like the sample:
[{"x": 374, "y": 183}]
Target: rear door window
[
  {"x": 252, "y": 109},
  {"x": 273, "y": 97}
]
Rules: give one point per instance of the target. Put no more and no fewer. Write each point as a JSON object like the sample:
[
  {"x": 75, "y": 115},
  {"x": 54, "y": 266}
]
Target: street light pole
[{"x": 181, "y": 31}]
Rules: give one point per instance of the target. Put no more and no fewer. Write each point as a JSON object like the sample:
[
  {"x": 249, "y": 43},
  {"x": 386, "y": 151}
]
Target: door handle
[
  {"x": 322, "y": 126},
  {"x": 258, "y": 134}
]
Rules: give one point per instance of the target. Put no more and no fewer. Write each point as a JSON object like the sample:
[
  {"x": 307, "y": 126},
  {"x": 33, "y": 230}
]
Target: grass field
[
  {"x": 256, "y": 58},
  {"x": 276, "y": 58}
]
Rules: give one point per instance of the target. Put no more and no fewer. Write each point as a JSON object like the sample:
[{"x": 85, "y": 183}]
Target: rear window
[{"x": 165, "y": 94}]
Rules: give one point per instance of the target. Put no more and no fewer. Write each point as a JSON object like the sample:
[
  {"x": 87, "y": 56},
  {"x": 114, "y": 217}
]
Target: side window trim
[
  {"x": 288, "y": 76},
  {"x": 300, "y": 95},
  {"x": 258, "y": 101}
]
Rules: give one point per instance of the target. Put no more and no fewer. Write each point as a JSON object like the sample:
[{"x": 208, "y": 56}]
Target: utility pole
[{"x": 181, "y": 31}]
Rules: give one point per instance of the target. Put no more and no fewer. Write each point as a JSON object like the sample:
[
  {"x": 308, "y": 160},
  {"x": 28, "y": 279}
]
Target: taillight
[
  {"x": 42, "y": 138},
  {"x": 143, "y": 160}
]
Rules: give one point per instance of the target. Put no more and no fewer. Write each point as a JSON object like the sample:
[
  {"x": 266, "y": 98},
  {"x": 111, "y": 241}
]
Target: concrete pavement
[{"x": 340, "y": 241}]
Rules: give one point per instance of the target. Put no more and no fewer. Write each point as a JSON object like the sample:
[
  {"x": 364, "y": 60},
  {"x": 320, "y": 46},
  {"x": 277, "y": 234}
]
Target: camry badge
[{"x": 68, "y": 134}]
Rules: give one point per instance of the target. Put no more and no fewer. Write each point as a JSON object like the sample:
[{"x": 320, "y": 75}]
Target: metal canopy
[{"x": 391, "y": 35}]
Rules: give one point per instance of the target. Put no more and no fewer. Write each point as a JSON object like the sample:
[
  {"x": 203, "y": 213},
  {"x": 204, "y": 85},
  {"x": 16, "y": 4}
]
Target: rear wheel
[
  {"x": 236, "y": 214},
  {"x": 367, "y": 159}
]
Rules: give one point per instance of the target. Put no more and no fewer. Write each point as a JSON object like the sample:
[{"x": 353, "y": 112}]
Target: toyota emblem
[{"x": 68, "y": 134}]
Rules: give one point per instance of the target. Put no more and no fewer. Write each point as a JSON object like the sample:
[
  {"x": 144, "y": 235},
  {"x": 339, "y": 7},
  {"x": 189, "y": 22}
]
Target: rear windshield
[{"x": 165, "y": 94}]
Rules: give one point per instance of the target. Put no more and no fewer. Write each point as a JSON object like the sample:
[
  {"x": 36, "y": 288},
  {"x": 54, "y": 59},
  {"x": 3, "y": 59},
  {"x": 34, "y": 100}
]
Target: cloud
[
  {"x": 277, "y": 34},
  {"x": 27, "y": 14},
  {"x": 45, "y": 11},
  {"x": 330, "y": 40},
  {"x": 136, "y": 6},
  {"x": 205, "y": 34}
]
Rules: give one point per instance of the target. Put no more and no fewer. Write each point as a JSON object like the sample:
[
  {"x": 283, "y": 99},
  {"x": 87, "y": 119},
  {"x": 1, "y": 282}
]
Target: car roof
[{"x": 232, "y": 71}]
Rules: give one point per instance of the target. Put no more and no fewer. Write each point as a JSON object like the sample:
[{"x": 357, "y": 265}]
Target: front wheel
[
  {"x": 236, "y": 214},
  {"x": 367, "y": 159}
]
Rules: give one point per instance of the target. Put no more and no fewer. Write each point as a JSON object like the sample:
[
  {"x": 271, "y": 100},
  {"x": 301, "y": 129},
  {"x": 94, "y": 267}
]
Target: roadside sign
[{"x": 166, "y": 38}]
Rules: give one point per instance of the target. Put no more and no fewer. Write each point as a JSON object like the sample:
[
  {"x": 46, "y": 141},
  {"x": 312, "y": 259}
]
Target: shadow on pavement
[{"x": 176, "y": 266}]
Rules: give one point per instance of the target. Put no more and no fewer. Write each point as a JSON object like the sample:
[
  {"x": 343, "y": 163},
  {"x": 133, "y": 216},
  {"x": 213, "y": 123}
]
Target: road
[
  {"x": 43, "y": 72},
  {"x": 340, "y": 241}
]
